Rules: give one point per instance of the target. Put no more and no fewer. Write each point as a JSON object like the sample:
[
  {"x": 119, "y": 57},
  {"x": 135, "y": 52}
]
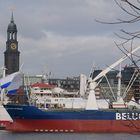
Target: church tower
[{"x": 11, "y": 54}]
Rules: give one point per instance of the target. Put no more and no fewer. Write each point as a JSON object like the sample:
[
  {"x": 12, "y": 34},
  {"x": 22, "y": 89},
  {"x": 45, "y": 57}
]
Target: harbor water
[{"x": 4, "y": 135}]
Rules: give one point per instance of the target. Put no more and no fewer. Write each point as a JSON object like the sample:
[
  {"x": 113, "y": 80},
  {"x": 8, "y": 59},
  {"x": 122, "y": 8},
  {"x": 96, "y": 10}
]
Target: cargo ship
[
  {"x": 120, "y": 117},
  {"x": 30, "y": 119}
]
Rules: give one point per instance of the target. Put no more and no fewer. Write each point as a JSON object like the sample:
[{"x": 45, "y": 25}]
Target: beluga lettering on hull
[{"x": 128, "y": 116}]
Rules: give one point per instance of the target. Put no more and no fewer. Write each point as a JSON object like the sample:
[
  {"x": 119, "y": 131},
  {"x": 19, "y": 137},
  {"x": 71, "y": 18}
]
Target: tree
[{"x": 131, "y": 9}]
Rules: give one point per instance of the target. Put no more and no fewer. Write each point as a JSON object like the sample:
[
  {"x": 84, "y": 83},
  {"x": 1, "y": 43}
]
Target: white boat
[
  {"x": 48, "y": 96},
  {"x": 4, "y": 117},
  {"x": 9, "y": 83}
]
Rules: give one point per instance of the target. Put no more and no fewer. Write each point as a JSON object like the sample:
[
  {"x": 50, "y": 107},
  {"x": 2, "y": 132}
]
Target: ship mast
[
  {"x": 119, "y": 76},
  {"x": 120, "y": 102}
]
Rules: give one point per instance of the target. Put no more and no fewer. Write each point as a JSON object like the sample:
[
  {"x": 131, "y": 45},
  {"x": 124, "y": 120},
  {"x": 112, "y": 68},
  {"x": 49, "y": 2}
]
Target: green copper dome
[{"x": 12, "y": 26}]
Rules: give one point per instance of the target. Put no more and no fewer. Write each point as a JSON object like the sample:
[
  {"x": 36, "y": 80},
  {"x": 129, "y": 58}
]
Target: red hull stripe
[{"x": 98, "y": 126}]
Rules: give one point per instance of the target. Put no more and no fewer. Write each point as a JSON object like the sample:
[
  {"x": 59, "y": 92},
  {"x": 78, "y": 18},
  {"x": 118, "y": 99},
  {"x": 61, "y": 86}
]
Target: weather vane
[{"x": 12, "y": 8}]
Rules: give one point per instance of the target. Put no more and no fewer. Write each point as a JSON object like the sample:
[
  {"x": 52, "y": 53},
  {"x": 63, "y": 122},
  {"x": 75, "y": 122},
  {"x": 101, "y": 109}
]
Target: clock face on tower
[{"x": 13, "y": 46}]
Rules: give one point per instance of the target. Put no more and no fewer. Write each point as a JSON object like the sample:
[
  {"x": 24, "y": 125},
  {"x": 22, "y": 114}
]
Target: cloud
[
  {"x": 61, "y": 54},
  {"x": 64, "y": 17},
  {"x": 62, "y": 35}
]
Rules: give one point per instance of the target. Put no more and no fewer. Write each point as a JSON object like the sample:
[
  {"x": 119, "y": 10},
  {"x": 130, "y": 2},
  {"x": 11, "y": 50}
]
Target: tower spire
[{"x": 12, "y": 18}]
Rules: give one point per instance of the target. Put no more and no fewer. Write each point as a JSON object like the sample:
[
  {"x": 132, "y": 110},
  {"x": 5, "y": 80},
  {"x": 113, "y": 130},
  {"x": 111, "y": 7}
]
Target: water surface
[{"x": 4, "y": 135}]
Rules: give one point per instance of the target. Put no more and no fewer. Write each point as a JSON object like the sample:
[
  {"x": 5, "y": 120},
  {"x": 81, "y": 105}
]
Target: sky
[{"x": 62, "y": 36}]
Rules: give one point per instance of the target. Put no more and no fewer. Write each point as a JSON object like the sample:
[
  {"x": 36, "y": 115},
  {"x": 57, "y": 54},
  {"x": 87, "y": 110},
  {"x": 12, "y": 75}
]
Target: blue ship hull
[{"x": 29, "y": 118}]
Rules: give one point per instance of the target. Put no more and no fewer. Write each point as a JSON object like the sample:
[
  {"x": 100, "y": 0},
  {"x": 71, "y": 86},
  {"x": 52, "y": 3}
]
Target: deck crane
[{"x": 91, "y": 103}]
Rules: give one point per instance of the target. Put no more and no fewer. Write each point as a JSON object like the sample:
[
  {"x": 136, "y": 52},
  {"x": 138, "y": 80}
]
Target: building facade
[{"x": 127, "y": 74}]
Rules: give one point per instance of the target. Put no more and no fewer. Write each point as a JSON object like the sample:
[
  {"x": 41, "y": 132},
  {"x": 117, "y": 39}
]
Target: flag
[{"x": 11, "y": 82}]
